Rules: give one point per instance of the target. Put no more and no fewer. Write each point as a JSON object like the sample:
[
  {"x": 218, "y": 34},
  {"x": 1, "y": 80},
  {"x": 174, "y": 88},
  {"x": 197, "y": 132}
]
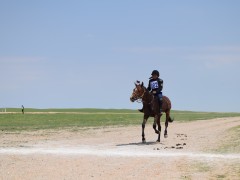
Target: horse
[{"x": 151, "y": 109}]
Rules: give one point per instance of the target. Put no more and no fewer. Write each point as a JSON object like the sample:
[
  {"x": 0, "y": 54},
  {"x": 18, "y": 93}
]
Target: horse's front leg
[{"x": 143, "y": 127}]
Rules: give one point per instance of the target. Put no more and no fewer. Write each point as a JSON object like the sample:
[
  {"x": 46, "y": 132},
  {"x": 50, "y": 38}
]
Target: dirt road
[{"x": 189, "y": 152}]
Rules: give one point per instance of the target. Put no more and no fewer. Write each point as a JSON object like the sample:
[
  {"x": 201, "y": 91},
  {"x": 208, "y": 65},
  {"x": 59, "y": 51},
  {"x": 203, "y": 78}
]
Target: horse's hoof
[
  {"x": 158, "y": 141},
  {"x": 144, "y": 141},
  {"x": 165, "y": 135}
]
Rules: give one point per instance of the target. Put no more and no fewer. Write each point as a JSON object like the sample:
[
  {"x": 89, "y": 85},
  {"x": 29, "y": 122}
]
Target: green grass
[
  {"x": 201, "y": 167},
  {"x": 232, "y": 142},
  {"x": 222, "y": 176},
  {"x": 192, "y": 116},
  {"x": 86, "y": 110},
  {"x": 68, "y": 118},
  {"x": 49, "y": 121}
]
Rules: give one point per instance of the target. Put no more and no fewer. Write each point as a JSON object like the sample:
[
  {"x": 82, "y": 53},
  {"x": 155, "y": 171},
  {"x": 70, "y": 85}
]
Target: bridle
[{"x": 137, "y": 97}]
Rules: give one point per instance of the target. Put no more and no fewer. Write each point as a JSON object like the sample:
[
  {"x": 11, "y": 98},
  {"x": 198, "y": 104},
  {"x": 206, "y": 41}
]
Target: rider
[{"x": 155, "y": 86}]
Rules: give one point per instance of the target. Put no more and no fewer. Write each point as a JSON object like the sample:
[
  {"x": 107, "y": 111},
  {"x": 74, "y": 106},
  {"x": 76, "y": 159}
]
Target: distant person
[
  {"x": 22, "y": 109},
  {"x": 155, "y": 85}
]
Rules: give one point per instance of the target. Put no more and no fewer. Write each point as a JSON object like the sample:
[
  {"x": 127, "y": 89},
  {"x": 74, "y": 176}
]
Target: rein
[
  {"x": 139, "y": 100},
  {"x": 152, "y": 98},
  {"x": 143, "y": 93}
]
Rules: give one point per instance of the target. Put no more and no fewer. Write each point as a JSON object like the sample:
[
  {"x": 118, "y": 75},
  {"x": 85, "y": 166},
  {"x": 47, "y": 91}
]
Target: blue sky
[{"x": 87, "y": 54}]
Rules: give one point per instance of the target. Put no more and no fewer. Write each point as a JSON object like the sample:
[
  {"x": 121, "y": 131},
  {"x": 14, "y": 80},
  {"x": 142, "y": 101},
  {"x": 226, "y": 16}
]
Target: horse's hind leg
[
  {"x": 166, "y": 123},
  {"x": 155, "y": 124},
  {"x": 159, "y": 128}
]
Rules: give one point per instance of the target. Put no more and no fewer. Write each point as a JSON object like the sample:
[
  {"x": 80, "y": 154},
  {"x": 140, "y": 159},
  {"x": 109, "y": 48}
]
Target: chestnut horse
[{"x": 151, "y": 109}]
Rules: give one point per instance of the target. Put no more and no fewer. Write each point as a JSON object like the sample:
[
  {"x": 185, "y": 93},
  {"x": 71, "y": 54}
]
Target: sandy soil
[{"x": 189, "y": 152}]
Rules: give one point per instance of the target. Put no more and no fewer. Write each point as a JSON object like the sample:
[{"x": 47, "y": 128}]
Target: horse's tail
[
  {"x": 170, "y": 119},
  {"x": 168, "y": 105}
]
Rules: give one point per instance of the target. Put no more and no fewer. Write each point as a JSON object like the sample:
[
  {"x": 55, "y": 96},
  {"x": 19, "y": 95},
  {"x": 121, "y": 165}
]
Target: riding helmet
[{"x": 155, "y": 72}]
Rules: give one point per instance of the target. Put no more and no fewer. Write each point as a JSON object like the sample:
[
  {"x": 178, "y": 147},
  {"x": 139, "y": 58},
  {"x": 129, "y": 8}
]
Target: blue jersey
[{"x": 155, "y": 85}]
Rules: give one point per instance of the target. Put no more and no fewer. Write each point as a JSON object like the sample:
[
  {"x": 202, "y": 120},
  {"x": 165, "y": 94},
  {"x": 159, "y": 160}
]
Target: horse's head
[{"x": 138, "y": 91}]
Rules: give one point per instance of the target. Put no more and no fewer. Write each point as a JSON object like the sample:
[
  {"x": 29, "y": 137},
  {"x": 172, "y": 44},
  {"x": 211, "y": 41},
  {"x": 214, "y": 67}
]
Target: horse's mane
[{"x": 145, "y": 88}]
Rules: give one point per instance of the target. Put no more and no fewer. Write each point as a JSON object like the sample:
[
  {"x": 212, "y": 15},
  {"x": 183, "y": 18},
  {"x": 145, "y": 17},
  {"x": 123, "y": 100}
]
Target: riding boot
[
  {"x": 160, "y": 105},
  {"x": 140, "y": 110}
]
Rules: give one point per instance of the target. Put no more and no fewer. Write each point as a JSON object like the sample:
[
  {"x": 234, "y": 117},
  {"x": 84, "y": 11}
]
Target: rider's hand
[{"x": 154, "y": 92}]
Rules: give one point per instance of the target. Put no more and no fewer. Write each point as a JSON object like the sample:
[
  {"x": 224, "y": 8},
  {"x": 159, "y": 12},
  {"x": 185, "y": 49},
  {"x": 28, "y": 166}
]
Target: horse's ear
[
  {"x": 137, "y": 83},
  {"x": 142, "y": 84}
]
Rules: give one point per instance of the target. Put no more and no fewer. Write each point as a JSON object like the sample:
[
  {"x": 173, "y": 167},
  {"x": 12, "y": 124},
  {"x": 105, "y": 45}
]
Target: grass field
[
  {"x": 232, "y": 141},
  {"x": 36, "y": 119}
]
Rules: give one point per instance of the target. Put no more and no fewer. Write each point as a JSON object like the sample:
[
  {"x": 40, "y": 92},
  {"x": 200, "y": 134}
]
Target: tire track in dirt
[{"x": 125, "y": 152}]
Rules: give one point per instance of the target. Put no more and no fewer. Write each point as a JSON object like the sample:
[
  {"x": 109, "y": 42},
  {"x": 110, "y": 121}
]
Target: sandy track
[
  {"x": 68, "y": 113},
  {"x": 117, "y": 153}
]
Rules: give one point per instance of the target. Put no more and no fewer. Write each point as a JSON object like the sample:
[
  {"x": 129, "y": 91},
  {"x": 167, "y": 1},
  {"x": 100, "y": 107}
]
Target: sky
[{"x": 89, "y": 53}]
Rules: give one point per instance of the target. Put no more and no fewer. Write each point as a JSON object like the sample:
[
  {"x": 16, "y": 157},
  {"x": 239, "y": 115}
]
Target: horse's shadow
[{"x": 140, "y": 143}]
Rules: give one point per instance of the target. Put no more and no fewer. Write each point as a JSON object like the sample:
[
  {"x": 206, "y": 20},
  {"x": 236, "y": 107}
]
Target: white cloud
[
  {"x": 9, "y": 59},
  {"x": 233, "y": 49},
  {"x": 149, "y": 49},
  {"x": 220, "y": 61},
  {"x": 216, "y": 56},
  {"x": 209, "y": 56},
  {"x": 20, "y": 71},
  {"x": 183, "y": 50}
]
